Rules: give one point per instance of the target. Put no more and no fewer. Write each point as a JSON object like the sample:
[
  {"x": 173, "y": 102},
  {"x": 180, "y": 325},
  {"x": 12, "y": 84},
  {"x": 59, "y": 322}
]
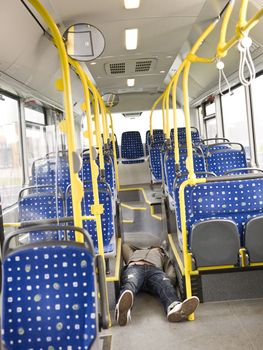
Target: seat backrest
[
  {"x": 158, "y": 137},
  {"x": 49, "y": 297},
  {"x": 41, "y": 206},
  {"x": 155, "y": 150},
  {"x": 107, "y": 220},
  {"x": 182, "y": 136},
  {"x": 49, "y": 170},
  {"x": 222, "y": 160},
  {"x": 199, "y": 166},
  {"x": 238, "y": 200},
  {"x": 132, "y": 147}
]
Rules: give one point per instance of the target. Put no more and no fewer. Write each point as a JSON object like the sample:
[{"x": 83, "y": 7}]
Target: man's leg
[
  {"x": 132, "y": 279},
  {"x": 159, "y": 284}
]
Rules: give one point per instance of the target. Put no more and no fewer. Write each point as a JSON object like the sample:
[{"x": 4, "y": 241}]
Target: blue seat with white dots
[
  {"x": 182, "y": 136},
  {"x": 221, "y": 160},
  {"x": 41, "y": 206},
  {"x": 237, "y": 200},
  {"x": 158, "y": 137},
  {"x": 153, "y": 149},
  {"x": 48, "y": 171},
  {"x": 199, "y": 166},
  {"x": 107, "y": 219},
  {"x": 85, "y": 173},
  {"x": 214, "y": 147},
  {"x": 132, "y": 147},
  {"x": 49, "y": 297}
]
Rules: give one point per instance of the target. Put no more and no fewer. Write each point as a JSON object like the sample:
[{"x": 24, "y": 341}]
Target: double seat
[{"x": 223, "y": 215}]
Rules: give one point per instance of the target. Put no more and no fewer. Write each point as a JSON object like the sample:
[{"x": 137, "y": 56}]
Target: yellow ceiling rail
[
  {"x": 243, "y": 26},
  {"x": 116, "y": 166},
  {"x": 76, "y": 184},
  {"x": 224, "y": 26}
]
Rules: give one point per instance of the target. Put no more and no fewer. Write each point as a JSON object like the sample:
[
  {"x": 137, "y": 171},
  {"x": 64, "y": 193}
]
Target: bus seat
[
  {"x": 236, "y": 200},
  {"x": 215, "y": 242},
  {"x": 46, "y": 171},
  {"x": 182, "y": 136},
  {"x": 107, "y": 218},
  {"x": 221, "y": 160},
  {"x": 132, "y": 147},
  {"x": 253, "y": 239},
  {"x": 158, "y": 137},
  {"x": 155, "y": 161},
  {"x": 49, "y": 296},
  {"x": 41, "y": 206},
  {"x": 199, "y": 166}
]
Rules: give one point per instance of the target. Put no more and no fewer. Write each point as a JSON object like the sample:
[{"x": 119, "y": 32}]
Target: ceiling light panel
[
  {"x": 131, "y": 38},
  {"x": 131, "y": 4},
  {"x": 130, "y": 82}
]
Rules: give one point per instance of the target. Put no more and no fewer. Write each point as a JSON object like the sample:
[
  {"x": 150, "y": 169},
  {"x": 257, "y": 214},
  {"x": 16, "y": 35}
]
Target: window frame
[{"x": 20, "y": 136}]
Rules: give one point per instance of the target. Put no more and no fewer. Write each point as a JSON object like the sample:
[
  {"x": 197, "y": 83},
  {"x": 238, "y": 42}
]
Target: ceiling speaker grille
[
  {"x": 117, "y": 68},
  {"x": 143, "y": 66}
]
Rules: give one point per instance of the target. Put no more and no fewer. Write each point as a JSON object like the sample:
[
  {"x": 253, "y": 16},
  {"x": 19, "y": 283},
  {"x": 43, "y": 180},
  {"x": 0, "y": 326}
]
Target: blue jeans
[{"x": 149, "y": 279}]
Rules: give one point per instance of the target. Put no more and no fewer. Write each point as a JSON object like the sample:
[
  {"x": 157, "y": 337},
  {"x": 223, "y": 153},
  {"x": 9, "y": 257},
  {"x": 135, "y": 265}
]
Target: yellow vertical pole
[
  {"x": 96, "y": 208},
  {"x": 96, "y": 109},
  {"x": 190, "y": 166},
  {"x": 68, "y": 126},
  {"x": 114, "y": 152},
  {"x": 151, "y": 113}
]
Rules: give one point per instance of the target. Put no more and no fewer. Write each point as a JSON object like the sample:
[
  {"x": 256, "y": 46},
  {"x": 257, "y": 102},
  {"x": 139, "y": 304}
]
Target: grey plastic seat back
[
  {"x": 254, "y": 239},
  {"x": 215, "y": 242}
]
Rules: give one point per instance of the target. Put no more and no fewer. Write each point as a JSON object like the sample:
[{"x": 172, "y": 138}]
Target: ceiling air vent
[
  {"x": 143, "y": 66},
  {"x": 117, "y": 68},
  {"x": 132, "y": 115},
  {"x": 131, "y": 67}
]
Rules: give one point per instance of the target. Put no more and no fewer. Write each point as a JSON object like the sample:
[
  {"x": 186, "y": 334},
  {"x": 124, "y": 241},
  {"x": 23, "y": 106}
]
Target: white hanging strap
[
  {"x": 220, "y": 66},
  {"x": 246, "y": 61}
]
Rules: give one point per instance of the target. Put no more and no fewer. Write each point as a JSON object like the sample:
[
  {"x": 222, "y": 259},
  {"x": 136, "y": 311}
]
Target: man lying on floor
[{"x": 146, "y": 270}]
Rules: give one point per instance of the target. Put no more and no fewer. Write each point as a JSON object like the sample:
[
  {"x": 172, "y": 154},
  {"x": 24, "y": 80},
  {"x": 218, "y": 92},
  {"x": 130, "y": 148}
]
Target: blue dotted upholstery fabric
[
  {"x": 107, "y": 221},
  {"x": 238, "y": 200},
  {"x": 45, "y": 173},
  {"x": 199, "y": 166},
  {"x": 158, "y": 137},
  {"x": 39, "y": 207},
  {"x": 49, "y": 298},
  {"x": 132, "y": 147},
  {"x": 214, "y": 147},
  {"x": 223, "y": 160},
  {"x": 182, "y": 136}
]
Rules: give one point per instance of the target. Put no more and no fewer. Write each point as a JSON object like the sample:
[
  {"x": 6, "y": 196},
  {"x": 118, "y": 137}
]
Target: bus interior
[{"x": 128, "y": 121}]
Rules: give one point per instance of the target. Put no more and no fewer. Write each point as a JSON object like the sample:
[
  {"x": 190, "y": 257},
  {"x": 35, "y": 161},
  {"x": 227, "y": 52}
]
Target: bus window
[
  {"x": 256, "y": 90},
  {"x": 235, "y": 117},
  {"x": 211, "y": 128},
  {"x": 142, "y": 123},
  {"x": 11, "y": 174},
  {"x": 35, "y": 135},
  {"x": 210, "y": 120}
]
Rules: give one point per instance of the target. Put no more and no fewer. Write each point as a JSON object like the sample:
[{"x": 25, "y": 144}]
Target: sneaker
[
  {"x": 181, "y": 311},
  {"x": 123, "y": 308}
]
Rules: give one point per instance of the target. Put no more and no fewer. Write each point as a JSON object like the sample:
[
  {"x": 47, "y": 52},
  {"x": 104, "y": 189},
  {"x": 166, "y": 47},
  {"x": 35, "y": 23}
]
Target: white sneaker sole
[
  {"x": 188, "y": 307},
  {"x": 123, "y": 308}
]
